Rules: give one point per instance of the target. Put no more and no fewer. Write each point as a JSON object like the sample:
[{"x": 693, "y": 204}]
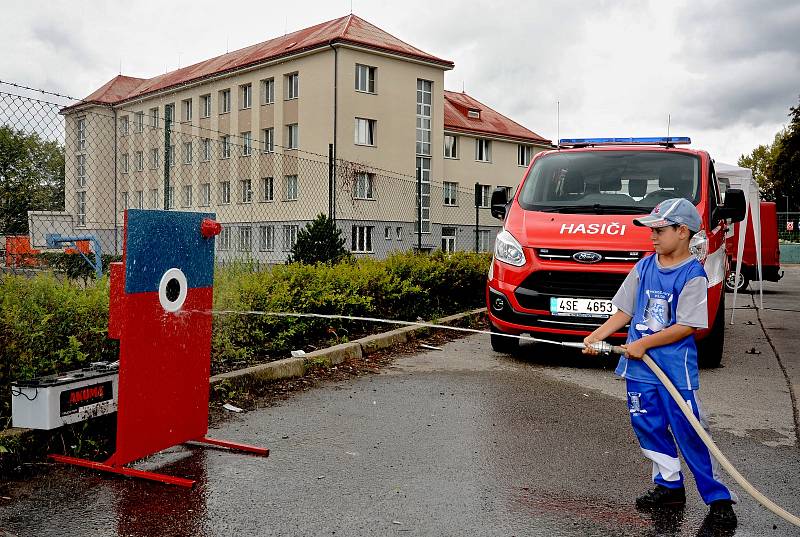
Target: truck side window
[{"x": 713, "y": 192}]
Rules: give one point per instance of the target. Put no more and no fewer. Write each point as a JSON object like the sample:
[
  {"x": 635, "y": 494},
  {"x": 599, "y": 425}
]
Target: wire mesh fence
[
  {"x": 68, "y": 172},
  {"x": 789, "y": 226}
]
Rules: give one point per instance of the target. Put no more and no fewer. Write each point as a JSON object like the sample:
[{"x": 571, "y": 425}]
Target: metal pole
[
  {"x": 477, "y": 215},
  {"x": 330, "y": 182},
  {"x": 419, "y": 206},
  {"x": 167, "y": 127}
]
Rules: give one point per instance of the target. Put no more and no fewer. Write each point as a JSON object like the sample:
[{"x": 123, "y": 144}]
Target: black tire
[
  {"x": 501, "y": 343},
  {"x": 742, "y": 284},
  {"x": 709, "y": 350}
]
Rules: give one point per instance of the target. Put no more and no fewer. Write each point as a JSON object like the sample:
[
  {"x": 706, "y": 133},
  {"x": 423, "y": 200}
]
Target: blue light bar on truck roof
[{"x": 657, "y": 140}]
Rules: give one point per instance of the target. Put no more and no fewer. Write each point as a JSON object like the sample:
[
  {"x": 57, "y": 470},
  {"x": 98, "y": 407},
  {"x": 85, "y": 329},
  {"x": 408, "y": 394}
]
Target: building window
[
  {"x": 268, "y": 140},
  {"x": 449, "y": 191},
  {"x": 81, "y": 126},
  {"x": 205, "y": 194},
  {"x": 224, "y": 101},
  {"x": 154, "y": 198},
  {"x": 424, "y": 95},
  {"x": 186, "y": 106},
  {"x": 289, "y": 237},
  {"x": 245, "y": 239},
  {"x": 247, "y": 144},
  {"x": 450, "y": 146},
  {"x": 484, "y": 196},
  {"x": 124, "y": 201},
  {"x": 246, "y": 94},
  {"x": 365, "y": 78},
  {"x": 81, "y": 165},
  {"x": 224, "y": 242},
  {"x": 362, "y": 239},
  {"x": 424, "y": 197},
  {"x": 292, "y": 86},
  {"x": 171, "y": 156},
  {"x": 268, "y": 91},
  {"x": 483, "y": 150},
  {"x": 138, "y": 122},
  {"x": 187, "y": 152},
  {"x": 154, "y": 118},
  {"x": 448, "y": 239},
  {"x": 246, "y": 191},
  {"x": 206, "y": 149},
  {"x": 140, "y": 199},
  {"x": 225, "y": 192},
  {"x": 524, "y": 155},
  {"x": 186, "y": 200},
  {"x": 80, "y": 199},
  {"x": 205, "y": 105},
  {"x": 266, "y": 238},
  {"x": 225, "y": 141},
  {"x": 291, "y": 188},
  {"x": 363, "y": 188},
  {"x": 267, "y": 189},
  {"x": 387, "y": 233},
  {"x": 124, "y": 162},
  {"x": 473, "y": 113},
  {"x": 154, "y": 158},
  {"x": 483, "y": 240},
  {"x": 139, "y": 157},
  {"x": 124, "y": 125},
  {"x": 365, "y": 131},
  {"x": 398, "y": 233},
  {"x": 293, "y": 132},
  {"x": 170, "y": 197}
]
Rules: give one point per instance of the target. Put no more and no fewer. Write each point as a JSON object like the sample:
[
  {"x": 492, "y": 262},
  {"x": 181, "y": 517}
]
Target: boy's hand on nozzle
[
  {"x": 588, "y": 340},
  {"x": 635, "y": 350}
]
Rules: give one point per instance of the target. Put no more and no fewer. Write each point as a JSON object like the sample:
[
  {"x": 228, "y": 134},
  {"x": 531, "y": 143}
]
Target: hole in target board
[{"x": 173, "y": 290}]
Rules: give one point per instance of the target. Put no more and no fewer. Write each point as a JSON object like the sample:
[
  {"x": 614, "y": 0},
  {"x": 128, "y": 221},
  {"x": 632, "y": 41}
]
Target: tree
[
  {"x": 762, "y": 161},
  {"x": 320, "y": 241},
  {"x": 786, "y": 170},
  {"x": 31, "y": 178}
]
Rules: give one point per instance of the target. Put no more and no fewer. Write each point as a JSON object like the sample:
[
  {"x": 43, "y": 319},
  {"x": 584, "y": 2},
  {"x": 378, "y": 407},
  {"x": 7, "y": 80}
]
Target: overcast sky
[{"x": 726, "y": 72}]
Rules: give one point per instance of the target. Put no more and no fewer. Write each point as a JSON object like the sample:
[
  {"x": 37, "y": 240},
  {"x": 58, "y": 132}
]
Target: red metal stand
[{"x": 161, "y": 295}]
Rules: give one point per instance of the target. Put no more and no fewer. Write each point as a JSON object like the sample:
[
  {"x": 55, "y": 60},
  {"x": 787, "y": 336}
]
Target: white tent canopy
[{"x": 742, "y": 178}]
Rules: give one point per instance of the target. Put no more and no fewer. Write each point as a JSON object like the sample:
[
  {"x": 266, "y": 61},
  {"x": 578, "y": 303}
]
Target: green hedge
[{"x": 48, "y": 326}]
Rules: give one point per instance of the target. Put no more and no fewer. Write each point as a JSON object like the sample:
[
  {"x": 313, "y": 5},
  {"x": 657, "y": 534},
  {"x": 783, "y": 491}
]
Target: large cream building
[{"x": 250, "y": 136}]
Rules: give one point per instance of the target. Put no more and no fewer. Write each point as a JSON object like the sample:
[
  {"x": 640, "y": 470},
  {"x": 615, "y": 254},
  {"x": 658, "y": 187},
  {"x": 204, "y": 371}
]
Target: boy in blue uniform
[{"x": 664, "y": 299}]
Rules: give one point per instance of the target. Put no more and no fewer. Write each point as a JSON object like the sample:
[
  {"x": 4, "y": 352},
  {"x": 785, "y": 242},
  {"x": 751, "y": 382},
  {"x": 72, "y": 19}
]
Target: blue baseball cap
[{"x": 672, "y": 211}]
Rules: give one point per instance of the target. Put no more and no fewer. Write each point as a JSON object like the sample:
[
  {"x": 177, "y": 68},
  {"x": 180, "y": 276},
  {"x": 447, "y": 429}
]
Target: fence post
[
  {"x": 477, "y": 215},
  {"x": 419, "y": 208},
  {"x": 167, "y": 127},
  {"x": 331, "y": 185}
]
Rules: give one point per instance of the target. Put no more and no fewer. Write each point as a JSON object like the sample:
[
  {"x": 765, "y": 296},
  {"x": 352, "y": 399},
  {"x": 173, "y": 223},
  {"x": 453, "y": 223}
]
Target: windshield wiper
[{"x": 596, "y": 208}]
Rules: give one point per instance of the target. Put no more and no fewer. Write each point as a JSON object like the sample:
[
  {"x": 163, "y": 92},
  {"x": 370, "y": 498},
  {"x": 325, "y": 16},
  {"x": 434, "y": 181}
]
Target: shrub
[{"x": 320, "y": 241}]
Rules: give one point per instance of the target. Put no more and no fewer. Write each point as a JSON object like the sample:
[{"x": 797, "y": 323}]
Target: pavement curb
[{"x": 296, "y": 367}]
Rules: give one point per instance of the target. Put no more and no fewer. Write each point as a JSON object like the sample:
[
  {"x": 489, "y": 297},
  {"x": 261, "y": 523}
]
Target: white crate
[{"x": 56, "y": 400}]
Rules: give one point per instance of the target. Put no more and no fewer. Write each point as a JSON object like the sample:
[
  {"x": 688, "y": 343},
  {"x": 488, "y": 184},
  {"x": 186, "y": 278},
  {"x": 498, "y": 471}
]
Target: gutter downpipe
[
  {"x": 116, "y": 172},
  {"x": 335, "y": 125}
]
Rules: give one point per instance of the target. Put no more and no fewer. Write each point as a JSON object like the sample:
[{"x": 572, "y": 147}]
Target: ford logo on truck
[{"x": 587, "y": 257}]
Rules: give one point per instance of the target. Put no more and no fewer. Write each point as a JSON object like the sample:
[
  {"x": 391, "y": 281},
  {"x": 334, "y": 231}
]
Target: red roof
[
  {"x": 456, "y": 118},
  {"x": 350, "y": 29}
]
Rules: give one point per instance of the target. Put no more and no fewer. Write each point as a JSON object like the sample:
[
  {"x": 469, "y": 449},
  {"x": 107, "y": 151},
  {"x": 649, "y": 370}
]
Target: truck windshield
[{"x": 610, "y": 181}]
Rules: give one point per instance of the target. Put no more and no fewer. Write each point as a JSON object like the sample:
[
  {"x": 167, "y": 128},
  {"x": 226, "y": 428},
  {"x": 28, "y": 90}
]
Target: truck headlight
[
  {"x": 698, "y": 245},
  {"x": 508, "y": 250}
]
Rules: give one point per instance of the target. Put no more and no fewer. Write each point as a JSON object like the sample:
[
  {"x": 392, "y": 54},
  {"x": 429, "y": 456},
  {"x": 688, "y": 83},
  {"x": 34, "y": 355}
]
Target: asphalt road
[{"x": 461, "y": 441}]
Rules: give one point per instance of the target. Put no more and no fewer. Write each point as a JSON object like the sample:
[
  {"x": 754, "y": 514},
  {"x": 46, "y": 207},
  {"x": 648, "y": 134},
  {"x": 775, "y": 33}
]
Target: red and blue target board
[{"x": 160, "y": 310}]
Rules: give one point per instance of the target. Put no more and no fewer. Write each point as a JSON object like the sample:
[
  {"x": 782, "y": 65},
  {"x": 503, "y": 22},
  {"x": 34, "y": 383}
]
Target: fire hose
[{"x": 602, "y": 348}]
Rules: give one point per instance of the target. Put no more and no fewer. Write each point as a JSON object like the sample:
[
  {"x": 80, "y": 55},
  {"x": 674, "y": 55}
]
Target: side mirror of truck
[
  {"x": 499, "y": 203},
  {"x": 733, "y": 208}
]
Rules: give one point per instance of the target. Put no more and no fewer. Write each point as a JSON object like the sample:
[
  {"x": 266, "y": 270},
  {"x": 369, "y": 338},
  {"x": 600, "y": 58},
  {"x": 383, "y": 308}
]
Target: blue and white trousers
[{"x": 659, "y": 424}]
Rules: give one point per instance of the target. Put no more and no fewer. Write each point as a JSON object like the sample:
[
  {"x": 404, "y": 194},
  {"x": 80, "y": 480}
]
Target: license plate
[{"x": 582, "y": 307}]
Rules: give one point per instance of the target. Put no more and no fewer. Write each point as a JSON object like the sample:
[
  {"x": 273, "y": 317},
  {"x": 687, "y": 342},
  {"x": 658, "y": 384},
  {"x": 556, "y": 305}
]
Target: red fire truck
[{"x": 568, "y": 238}]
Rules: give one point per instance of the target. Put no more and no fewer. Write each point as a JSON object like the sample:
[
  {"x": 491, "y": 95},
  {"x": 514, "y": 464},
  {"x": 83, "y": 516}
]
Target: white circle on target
[{"x": 172, "y": 290}]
